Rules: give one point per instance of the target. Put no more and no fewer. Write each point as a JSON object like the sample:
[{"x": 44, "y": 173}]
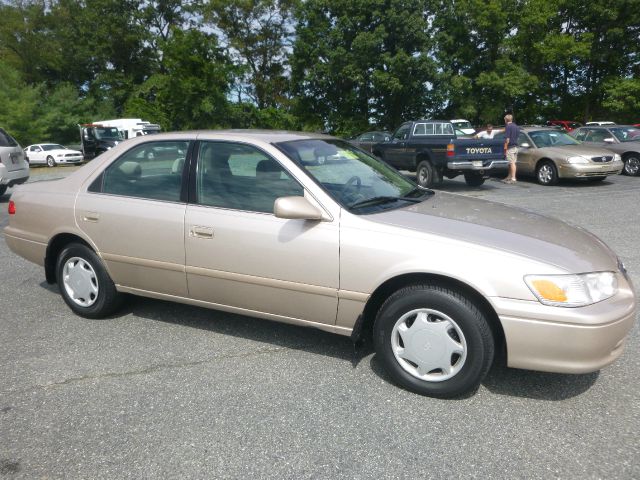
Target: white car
[
  {"x": 51, "y": 154},
  {"x": 464, "y": 126}
]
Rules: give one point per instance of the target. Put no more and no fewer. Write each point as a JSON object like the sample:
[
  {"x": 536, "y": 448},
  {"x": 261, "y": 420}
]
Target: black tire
[
  {"x": 473, "y": 179},
  {"x": 476, "y": 335},
  {"x": 426, "y": 174},
  {"x": 106, "y": 301},
  {"x": 596, "y": 179},
  {"x": 50, "y": 161},
  {"x": 547, "y": 173},
  {"x": 632, "y": 165}
]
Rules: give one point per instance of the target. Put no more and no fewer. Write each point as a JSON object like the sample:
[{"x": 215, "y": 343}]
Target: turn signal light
[
  {"x": 12, "y": 208},
  {"x": 550, "y": 291},
  {"x": 450, "y": 150}
]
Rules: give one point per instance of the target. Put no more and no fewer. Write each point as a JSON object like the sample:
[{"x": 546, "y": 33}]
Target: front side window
[
  {"x": 152, "y": 170},
  {"x": 241, "y": 177},
  {"x": 598, "y": 135},
  {"x": 402, "y": 133},
  {"x": 522, "y": 138},
  {"x": 366, "y": 137},
  {"x": 551, "y": 138},
  {"x": 357, "y": 181}
]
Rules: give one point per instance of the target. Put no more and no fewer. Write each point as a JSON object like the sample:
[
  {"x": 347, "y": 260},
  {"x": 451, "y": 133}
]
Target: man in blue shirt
[{"x": 511, "y": 133}]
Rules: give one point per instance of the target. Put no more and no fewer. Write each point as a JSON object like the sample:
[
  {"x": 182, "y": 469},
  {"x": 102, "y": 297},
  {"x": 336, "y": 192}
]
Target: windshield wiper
[{"x": 382, "y": 199}]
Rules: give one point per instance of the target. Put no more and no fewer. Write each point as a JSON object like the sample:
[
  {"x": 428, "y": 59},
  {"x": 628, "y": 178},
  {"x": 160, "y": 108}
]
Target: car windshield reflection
[{"x": 354, "y": 179}]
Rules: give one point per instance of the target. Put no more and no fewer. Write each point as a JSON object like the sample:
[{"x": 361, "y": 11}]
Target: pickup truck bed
[{"x": 431, "y": 149}]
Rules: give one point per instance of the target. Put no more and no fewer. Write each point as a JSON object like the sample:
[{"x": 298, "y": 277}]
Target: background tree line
[{"x": 341, "y": 66}]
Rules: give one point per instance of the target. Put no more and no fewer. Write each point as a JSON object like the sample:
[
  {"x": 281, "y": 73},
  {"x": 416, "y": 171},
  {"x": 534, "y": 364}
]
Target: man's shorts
[{"x": 512, "y": 154}]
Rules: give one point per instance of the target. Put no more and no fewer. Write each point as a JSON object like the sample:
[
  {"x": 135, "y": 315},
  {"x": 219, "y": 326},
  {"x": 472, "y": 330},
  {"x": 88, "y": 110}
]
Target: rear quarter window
[{"x": 7, "y": 140}]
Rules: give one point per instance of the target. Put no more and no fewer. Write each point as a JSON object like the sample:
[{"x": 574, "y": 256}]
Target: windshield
[
  {"x": 52, "y": 146},
  {"x": 552, "y": 138},
  {"x": 626, "y": 134},
  {"x": 462, "y": 124},
  {"x": 357, "y": 181},
  {"x": 107, "y": 133}
]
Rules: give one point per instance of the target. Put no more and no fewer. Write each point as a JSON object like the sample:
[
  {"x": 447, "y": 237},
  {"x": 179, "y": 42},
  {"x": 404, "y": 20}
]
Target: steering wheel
[{"x": 354, "y": 183}]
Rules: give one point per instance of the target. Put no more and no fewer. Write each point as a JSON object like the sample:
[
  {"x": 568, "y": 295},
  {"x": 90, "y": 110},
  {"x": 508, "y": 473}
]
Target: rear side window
[
  {"x": 7, "y": 140},
  {"x": 152, "y": 170}
]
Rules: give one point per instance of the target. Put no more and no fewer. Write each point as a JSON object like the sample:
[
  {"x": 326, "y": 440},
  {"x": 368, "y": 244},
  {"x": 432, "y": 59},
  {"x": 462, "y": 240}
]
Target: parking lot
[{"x": 164, "y": 390}]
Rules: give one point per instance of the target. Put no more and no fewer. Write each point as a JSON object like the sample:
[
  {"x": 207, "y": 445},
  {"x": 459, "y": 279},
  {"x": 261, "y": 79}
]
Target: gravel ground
[{"x": 170, "y": 391}]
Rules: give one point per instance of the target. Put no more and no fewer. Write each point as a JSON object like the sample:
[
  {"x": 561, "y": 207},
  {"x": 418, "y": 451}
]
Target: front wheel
[
  {"x": 547, "y": 174},
  {"x": 433, "y": 341},
  {"x": 50, "y": 161},
  {"x": 85, "y": 284},
  {"x": 632, "y": 165},
  {"x": 473, "y": 179}
]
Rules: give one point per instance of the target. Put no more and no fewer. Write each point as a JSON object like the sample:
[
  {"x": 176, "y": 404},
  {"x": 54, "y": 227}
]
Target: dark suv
[{"x": 14, "y": 168}]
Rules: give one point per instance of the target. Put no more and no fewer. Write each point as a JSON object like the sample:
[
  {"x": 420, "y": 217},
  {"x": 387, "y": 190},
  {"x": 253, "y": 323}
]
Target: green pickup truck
[{"x": 432, "y": 150}]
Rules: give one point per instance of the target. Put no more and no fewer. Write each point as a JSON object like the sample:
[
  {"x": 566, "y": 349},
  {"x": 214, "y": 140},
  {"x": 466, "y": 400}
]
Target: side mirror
[
  {"x": 609, "y": 140},
  {"x": 525, "y": 145},
  {"x": 296, "y": 208}
]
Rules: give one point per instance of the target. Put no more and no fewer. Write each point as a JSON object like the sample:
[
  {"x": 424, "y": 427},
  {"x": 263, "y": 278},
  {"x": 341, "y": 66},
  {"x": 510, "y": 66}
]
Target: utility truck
[{"x": 102, "y": 135}]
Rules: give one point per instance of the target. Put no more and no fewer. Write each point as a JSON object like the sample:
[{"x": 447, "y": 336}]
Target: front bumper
[
  {"x": 582, "y": 170},
  {"x": 477, "y": 165},
  {"x": 566, "y": 340},
  {"x": 78, "y": 159},
  {"x": 13, "y": 177}
]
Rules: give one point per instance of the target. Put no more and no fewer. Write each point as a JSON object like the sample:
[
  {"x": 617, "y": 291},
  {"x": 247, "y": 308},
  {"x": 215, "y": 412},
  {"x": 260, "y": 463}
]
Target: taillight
[
  {"x": 451, "y": 149},
  {"x": 12, "y": 208}
]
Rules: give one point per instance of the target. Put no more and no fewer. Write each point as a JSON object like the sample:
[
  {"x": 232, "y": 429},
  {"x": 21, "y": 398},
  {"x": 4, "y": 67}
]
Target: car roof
[{"x": 267, "y": 136}]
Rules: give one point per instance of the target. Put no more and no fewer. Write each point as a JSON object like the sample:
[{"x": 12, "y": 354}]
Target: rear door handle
[
  {"x": 201, "y": 232},
  {"x": 91, "y": 216}
]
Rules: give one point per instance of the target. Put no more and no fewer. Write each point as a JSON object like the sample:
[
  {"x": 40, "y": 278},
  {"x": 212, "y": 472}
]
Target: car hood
[
  {"x": 565, "y": 151},
  {"x": 506, "y": 228},
  {"x": 65, "y": 151}
]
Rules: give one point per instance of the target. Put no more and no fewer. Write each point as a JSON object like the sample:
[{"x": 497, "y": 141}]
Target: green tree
[
  {"x": 362, "y": 63},
  {"x": 191, "y": 91}
]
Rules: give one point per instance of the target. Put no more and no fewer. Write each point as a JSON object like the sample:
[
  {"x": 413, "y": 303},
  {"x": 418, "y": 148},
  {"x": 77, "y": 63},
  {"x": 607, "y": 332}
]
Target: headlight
[
  {"x": 617, "y": 158},
  {"x": 573, "y": 290},
  {"x": 577, "y": 160}
]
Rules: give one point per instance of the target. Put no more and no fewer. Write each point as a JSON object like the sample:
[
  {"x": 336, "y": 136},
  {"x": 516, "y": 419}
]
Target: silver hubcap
[
  {"x": 50, "y": 162},
  {"x": 545, "y": 174},
  {"x": 632, "y": 165},
  {"x": 423, "y": 177},
  {"x": 429, "y": 345},
  {"x": 80, "y": 281}
]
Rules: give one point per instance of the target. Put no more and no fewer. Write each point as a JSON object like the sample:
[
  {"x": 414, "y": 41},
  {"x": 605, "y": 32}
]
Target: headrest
[{"x": 130, "y": 169}]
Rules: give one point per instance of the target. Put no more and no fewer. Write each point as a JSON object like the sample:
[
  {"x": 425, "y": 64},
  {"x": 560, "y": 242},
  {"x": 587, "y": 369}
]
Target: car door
[
  {"x": 36, "y": 154},
  {"x": 134, "y": 211},
  {"x": 365, "y": 141},
  {"x": 395, "y": 151},
  {"x": 527, "y": 156},
  {"x": 239, "y": 255}
]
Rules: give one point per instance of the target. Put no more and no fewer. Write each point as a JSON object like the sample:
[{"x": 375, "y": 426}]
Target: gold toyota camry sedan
[
  {"x": 309, "y": 230},
  {"x": 549, "y": 155}
]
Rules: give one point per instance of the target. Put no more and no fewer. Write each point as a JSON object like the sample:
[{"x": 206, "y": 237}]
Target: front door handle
[
  {"x": 91, "y": 216},
  {"x": 201, "y": 232}
]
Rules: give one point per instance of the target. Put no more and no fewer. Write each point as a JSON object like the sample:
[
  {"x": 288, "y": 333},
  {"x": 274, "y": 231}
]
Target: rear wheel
[
  {"x": 632, "y": 165},
  {"x": 547, "y": 174},
  {"x": 50, "y": 161},
  {"x": 474, "y": 179},
  {"x": 3, "y": 188},
  {"x": 433, "y": 341},
  {"x": 85, "y": 284},
  {"x": 426, "y": 174}
]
